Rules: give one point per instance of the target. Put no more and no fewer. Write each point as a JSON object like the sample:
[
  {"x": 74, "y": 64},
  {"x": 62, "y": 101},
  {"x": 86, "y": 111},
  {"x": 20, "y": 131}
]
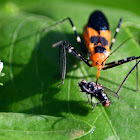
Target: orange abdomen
[{"x": 97, "y": 39}]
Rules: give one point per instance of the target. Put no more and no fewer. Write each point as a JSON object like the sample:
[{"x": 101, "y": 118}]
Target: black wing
[{"x": 98, "y": 21}]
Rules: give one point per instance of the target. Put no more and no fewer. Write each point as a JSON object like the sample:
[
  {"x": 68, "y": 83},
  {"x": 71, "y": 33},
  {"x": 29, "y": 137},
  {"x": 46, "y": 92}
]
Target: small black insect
[{"x": 97, "y": 91}]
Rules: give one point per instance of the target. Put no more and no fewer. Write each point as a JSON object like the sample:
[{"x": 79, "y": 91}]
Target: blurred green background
[
  {"x": 130, "y": 5},
  {"x": 31, "y": 104}
]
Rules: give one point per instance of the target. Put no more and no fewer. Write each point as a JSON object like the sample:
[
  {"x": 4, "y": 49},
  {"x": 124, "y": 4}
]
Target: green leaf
[
  {"x": 23, "y": 126},
  {"x": 41, "y": 110}
]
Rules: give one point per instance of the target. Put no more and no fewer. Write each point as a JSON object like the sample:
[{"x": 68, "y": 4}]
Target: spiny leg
[
  {"x": 63, "y": 66},
  {"x": 78, "y": 39},
  {"x": 116, "y": 32},
  {"x": 66, "y": 46}
]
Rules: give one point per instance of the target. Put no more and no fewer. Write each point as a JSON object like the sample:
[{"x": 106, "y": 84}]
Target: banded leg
[
  {"x": 117, "y": 30},
  {"x": 127, "y": 77},
  {"x": 78, "y": 39},
  {"x": 120, "y": 62},
  {"x": 63, "y": 45}
]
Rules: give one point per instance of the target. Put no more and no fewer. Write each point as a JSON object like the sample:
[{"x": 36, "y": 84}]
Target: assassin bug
[
  {"x": 97, "y": 39},
  {"x": 97, "y": 91}
]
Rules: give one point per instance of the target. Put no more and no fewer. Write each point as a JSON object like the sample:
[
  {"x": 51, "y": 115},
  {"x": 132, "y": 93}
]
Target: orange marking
[{"x": 97, "y": 58}]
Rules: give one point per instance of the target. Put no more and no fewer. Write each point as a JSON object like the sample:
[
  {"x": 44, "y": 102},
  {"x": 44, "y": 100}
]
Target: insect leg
[
  {"x": 62, "y": 65},
  {"x": 63, "y": 46},
  {"x": 87, "y": 97},
  {"x": 78, "y": 39},
  {"x": 116, "y": 32},
  {"x": 137, "y": 78},
  {"x": 92, "y": 103},
  {"x": 127, "y": 77},
  {"x": 97, "y": 104},
  {"x": 120, "y": 62}
]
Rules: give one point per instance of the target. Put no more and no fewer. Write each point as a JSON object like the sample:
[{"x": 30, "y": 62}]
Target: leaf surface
[{"x": 41, "y": 110}]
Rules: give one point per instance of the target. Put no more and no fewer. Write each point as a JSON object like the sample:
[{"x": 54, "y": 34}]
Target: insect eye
[{"x": 84, "y": 81}]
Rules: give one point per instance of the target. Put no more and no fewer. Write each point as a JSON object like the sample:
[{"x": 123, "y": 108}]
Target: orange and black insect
[{"x": 97, "y": 38}]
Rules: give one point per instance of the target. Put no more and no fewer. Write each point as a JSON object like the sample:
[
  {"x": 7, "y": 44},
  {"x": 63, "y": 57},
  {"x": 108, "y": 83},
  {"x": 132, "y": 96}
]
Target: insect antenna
[{"x": 117, "y": 48}]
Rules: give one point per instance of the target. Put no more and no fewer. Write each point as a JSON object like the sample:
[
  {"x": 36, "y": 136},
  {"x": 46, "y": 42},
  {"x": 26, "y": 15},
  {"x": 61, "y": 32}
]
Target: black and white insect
[{"x": 95, "y": 90}]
